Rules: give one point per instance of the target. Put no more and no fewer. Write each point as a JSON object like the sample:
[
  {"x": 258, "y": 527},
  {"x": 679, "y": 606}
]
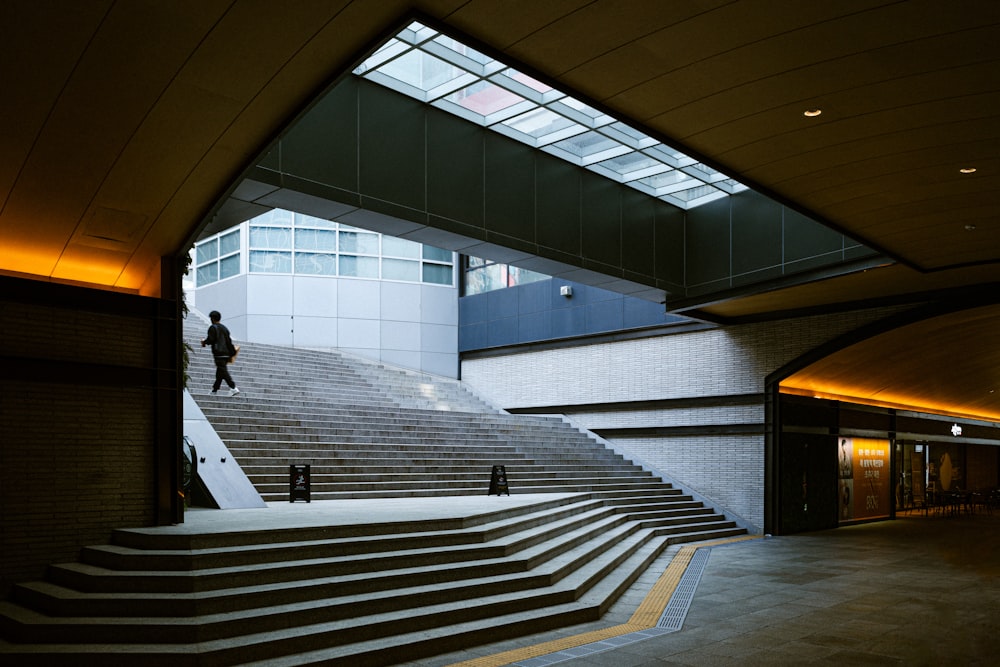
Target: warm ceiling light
[
  {"x": 970, "y": 228},
  {"x": 968, "y": 170},
  {"x": 812, "y": 113}
]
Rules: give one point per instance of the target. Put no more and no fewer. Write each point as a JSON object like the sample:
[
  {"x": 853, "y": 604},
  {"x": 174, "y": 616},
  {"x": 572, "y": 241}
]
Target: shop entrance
[{"x": 836, "y": 463}]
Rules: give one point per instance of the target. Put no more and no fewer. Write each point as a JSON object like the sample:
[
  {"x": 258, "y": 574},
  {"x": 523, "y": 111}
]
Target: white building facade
[{"x": 289, "y": 279}]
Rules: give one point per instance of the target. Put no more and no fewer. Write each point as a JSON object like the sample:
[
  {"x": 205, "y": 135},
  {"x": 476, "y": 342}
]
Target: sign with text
[{"x": 864, "y": 483}]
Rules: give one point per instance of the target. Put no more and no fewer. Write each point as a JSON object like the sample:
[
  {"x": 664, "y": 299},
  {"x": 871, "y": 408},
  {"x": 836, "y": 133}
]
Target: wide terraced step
[{"x": 346, "y": 582}]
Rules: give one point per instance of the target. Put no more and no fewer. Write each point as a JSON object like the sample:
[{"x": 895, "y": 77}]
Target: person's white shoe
[{"x": 234, "y": 391}]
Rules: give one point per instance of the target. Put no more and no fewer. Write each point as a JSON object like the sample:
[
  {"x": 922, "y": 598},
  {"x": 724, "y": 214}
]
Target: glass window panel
[
  {"x": 359, "y": 267},
  {"x": 437, "y": 274},
  {"x": 279, "y": 238},
  {"x": 390, "y": 49},
  {"x": 421, "y": 70},
  {"x": 266, "y": 261},
  {"x": 302, "y": 220},
  {"x": 462, "y": 49},
  {"x": 276, "y": 216},
  {"x": 670, "y": 179},
  {"x": 396, "y": 247},
  {"x": 519, "y": 276},
  {"x": 588, "y": 143},
  {"x": 229, "y": 267},
  {"x": 539, "y": 123},
  {"x": 485, "y": 279},
  {"x": 315, "y": 239},
  {"x": 229, "y": 243},
  {"x": 207, "y": 274},
  {"x": 484, "y": 98},
  {"x": 524, "y": 85},
  {"x": 581, "y": 112},
  {"x": 629, "y": 135},
  {"x": 359, "y": 242},
  {"x": 400, "y": 269},
  {"x": 703, "y": 171},
  {"x": 207, "y": 251},
  {"x": 416, "y": 33},
  {"x": 631, "y": 163},
  {"x": 453, "y": 76},
  {"x": 437, "y": 254},
  {"x": 694, "y": 192},
  {"x": 316, "y": 263}
]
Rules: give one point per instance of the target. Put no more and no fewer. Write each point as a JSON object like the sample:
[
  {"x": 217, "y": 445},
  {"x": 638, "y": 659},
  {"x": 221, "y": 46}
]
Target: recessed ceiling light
[
  {"x": 812, "y": 113},
  {"x": 968, "y": 170},
  {"x": 970, "y": 228}
]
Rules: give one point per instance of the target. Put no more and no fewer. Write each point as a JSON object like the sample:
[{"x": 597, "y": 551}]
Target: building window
[
  {"x": 217, "y": 258},
  {"x": 482, "y": 275},
  {"x": 284, "y": 242}
]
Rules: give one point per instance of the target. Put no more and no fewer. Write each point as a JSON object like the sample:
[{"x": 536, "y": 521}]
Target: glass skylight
[{"x": 437, "y": 69}]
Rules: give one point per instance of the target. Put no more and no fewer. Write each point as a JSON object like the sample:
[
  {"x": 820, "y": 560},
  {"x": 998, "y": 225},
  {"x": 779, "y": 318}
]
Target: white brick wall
[{"x": 717, "y": 362}]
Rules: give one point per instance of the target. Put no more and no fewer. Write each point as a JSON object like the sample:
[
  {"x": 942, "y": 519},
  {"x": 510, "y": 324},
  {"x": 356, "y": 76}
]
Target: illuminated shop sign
[{"x": 864, "y": 482}]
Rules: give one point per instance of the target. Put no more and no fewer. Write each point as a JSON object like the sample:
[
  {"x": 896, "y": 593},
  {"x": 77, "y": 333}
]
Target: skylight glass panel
[
  {"x": 695, "y": 196},
  {"x": 629, "y": 167},
  {"x": 629, "y": 135},
  {"x": 416, "y": 33},
  {"x": 388, "y": 51},
  {"x": 462, "y": 56},
  {"x": 486, "y": 101},
  {"x": 588, "y": 148},
  {"x": 542, "y": 126},
  {"x": 731, "y": 186},
  {"x": 423, "y": 72},
  {"x": 581, "y": 113},
  {"x": 669, "y": 155},
  {"x": 526, "y": 86},
  {"x": 704, "y": 172},
  {"x": 440, "y": 70},
  {"x": 669, "y": 181}
]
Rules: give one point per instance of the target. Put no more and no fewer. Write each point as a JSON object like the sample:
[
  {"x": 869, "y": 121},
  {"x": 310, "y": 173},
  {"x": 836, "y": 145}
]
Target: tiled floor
[{"x": 915, "y": 591}]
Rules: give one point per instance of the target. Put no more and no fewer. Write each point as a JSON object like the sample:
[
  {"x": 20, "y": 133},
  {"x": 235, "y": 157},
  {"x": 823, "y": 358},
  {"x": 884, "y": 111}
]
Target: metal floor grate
[{"x": 677, "y": 609}]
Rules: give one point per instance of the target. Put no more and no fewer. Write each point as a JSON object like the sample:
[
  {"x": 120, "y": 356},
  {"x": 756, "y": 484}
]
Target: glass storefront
[{"x": 831, "y": 467}]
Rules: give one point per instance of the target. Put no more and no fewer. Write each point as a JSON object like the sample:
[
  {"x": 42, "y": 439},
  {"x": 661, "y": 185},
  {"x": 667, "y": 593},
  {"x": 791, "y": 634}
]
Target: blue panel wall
[{"x": 537, "y": 312}]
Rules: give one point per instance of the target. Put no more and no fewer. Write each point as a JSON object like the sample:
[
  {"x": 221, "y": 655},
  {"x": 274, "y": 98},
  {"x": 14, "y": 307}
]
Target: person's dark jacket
[{"x": 220, "y": 341}]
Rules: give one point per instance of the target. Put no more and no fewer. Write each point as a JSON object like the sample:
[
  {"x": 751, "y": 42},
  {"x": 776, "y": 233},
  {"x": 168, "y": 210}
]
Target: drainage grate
[{"x": 677, "y": 609}]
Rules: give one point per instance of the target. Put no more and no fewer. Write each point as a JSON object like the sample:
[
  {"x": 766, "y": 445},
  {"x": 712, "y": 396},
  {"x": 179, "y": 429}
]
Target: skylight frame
[{"x": 544, "y": 117}]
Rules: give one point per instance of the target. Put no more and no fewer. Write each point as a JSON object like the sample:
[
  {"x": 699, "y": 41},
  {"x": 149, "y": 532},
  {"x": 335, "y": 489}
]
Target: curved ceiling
[
  {"x": 126, "y": 123},
  {"x": 894, "y": 377}
]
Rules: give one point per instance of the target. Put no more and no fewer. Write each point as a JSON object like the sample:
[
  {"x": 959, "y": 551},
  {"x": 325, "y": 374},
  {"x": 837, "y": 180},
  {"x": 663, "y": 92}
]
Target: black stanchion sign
[
  {"x": 498, "y": 481},
  {"x": 298, "y": 483}
]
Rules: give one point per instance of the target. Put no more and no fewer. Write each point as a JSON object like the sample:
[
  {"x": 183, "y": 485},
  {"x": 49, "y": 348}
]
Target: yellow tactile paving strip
[{"x": 646, "y": 616}]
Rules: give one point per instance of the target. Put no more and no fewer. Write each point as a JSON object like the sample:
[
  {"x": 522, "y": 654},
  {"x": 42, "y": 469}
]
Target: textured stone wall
[{"x": 692, "y": 379}]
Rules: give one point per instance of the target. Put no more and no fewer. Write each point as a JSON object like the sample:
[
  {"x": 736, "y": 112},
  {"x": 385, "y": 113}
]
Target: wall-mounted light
[
  {"x": 812, "y": 113},
  {"x": 566, "y": 291},
  {"x": 967, "y": 170}
]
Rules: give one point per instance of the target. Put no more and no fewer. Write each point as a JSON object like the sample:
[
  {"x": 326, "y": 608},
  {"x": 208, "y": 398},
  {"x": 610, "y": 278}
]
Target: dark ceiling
[{"x": 125, "y": 123}]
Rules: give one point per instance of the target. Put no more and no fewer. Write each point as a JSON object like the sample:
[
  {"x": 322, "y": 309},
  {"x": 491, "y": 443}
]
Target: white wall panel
[
  {"x": 401, "y": 336},
  {"x": 358, "y": 299},
  {"x": 401, "y": 302},
  {"x": 359, "y": 334}
]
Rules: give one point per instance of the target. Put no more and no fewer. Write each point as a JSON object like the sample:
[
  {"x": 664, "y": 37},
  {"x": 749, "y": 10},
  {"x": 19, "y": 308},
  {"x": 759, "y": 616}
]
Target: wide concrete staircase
[{"x": 374, "y": 593}]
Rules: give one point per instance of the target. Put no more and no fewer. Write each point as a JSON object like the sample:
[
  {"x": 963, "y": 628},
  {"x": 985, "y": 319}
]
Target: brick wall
[
  {"x": 665, "y": 370},
  {"x": 77, "y": 424}
]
